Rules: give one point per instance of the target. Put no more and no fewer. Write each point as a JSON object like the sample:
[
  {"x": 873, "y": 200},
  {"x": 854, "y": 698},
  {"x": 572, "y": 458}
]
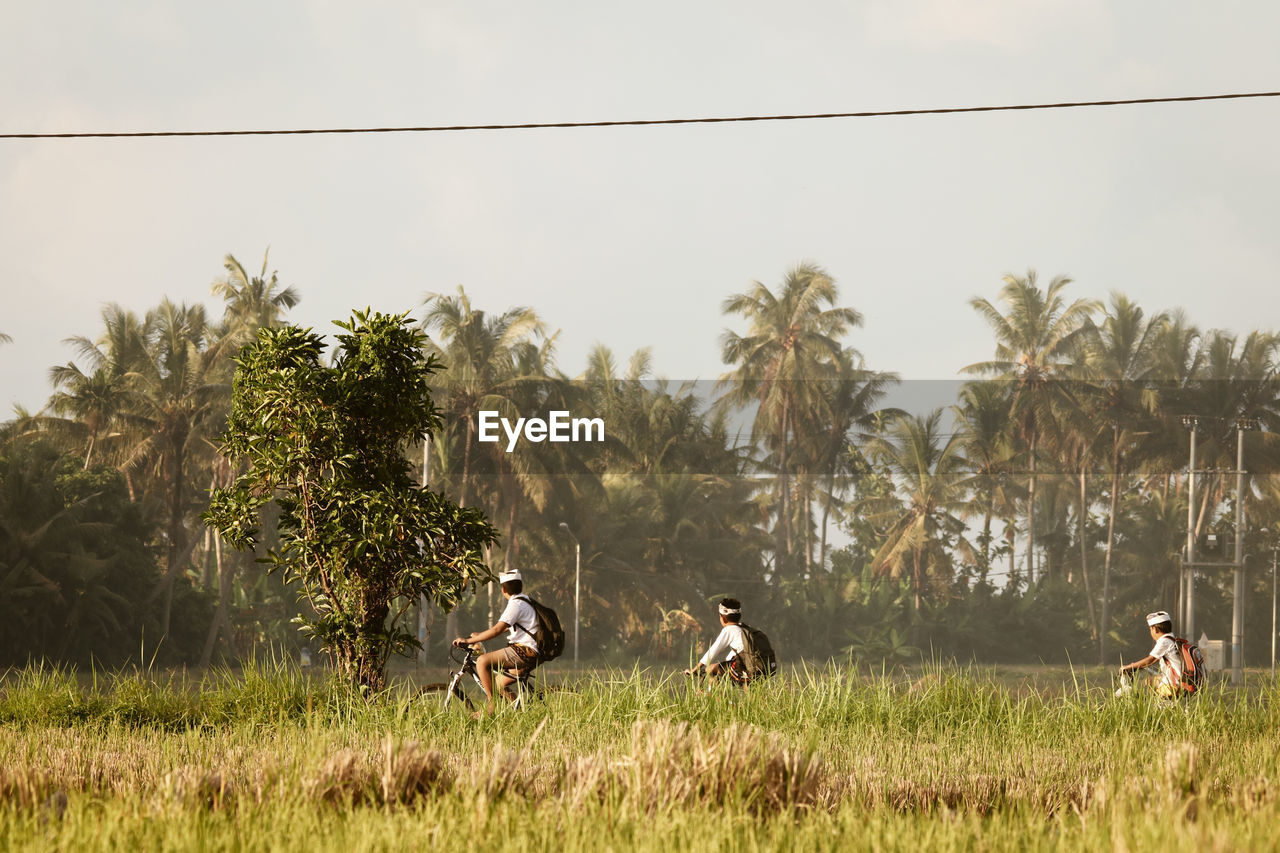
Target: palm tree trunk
[
  {"x": 826, "y": 517},
  {"x": 466, "y": 466},
  {"x": 176, "y": 528},
  {"x": 1031, "y": 517},
  {"x": 1106, "y": 565},
  {"x": 508, "y": 553},
  {"x": 221, "y": 622},
  {"x": 1012, "y": 540},
  {"x": 784, "y": 487},
  {"x": 986, "y": 543},
  {"x": 915, "y": 601},
  {"x": 1084, "y": 551},
  {"x": 808, "y": 531}
]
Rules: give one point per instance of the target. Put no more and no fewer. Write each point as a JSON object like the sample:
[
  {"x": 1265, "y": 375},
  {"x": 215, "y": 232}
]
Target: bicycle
[{"x": 465, "y": 658}]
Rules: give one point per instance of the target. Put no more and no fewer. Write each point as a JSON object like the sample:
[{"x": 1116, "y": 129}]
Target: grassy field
[{"x": 941, "y": 759}]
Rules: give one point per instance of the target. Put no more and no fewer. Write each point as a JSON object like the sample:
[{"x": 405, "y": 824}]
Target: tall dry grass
[{"x": 807, "y": 762}]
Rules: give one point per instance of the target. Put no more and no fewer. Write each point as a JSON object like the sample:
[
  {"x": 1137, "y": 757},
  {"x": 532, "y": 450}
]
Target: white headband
[{"x": 724, "y": 611}]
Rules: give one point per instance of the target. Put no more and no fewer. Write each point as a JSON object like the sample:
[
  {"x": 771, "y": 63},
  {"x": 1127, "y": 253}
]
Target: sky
[{"x": 634, "y": 236}]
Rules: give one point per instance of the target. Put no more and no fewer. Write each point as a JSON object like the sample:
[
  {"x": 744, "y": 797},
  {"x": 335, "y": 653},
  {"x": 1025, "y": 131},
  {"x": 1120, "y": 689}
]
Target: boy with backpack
[
  {"x": 1181, "y": 667},
  {"x": 740, "y": 651},
  {"x": 520, "y": 621}
]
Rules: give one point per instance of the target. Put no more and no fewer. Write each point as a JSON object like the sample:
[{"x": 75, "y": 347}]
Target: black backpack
[
  {"x": 757, "y": 659},
  {"x": 547, "y": 633}
]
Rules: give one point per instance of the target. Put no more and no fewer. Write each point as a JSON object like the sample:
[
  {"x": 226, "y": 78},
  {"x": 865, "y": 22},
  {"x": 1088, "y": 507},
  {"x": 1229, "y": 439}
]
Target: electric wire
[{"x": 460, "y": 128}]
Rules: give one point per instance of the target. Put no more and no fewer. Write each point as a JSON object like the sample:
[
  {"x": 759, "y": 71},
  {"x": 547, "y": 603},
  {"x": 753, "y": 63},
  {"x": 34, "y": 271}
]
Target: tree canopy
[{"x": 326, "y": 443}]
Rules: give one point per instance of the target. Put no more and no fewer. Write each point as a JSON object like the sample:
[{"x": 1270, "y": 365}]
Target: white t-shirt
[
  {"x": 521, "y": 620},
  {"x": 731, "y": 643},
  {"x": 1169, "y": 659}
]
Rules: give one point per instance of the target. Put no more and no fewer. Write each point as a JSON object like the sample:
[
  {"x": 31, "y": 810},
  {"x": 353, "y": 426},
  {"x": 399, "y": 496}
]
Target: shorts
[{"x": 517, "y": 658}]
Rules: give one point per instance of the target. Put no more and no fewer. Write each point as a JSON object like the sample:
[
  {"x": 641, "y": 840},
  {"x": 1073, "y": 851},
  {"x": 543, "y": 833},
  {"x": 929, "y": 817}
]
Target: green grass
[{"x": 824, "y": 758}]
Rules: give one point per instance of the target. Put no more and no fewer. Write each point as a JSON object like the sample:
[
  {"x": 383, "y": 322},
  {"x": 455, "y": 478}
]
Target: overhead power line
[{"x": 458, "y": 128}]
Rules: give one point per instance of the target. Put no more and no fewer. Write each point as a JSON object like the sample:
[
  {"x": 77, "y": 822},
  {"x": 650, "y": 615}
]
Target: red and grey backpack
[{"x": 1192, "y": 666}]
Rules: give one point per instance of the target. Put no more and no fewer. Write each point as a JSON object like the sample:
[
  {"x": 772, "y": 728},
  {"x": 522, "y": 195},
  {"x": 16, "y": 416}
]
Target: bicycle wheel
[{"x": 441, "y": 689}]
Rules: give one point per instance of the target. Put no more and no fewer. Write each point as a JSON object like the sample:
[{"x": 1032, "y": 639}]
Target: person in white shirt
[
  {"x": 519, "y": 621},
  {"x": 1165, "y": 654},
  {"x": 728, "y": 645}
]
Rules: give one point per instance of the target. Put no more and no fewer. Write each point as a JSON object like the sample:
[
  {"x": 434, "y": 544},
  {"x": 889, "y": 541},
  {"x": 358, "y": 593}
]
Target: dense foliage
[
  {"x": 324, "y": 442},
  {"x": 1032, "y": 509},
  {"x": 78, "y": 567}
]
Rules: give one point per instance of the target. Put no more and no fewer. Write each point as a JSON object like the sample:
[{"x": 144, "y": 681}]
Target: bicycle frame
[
  {"x": 524, "y": 690},
  {"x": 468, "y": 667}
]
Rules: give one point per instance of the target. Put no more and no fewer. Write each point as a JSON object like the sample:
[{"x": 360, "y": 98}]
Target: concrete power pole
[{"x": 1237, "y": 602}]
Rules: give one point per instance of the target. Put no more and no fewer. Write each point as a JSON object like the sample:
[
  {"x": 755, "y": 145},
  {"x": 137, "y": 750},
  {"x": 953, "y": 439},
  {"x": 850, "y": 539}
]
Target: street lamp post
[{"x": 577, "y": 586}]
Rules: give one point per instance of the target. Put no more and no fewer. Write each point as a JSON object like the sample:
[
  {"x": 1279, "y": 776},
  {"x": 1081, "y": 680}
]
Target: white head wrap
[
  {"x": 724, "y": 611},
  {"x": 1158, "y": 617}
]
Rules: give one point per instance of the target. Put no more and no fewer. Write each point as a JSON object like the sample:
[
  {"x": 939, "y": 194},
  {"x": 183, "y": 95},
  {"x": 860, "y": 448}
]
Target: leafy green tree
[{"x": 326, "y": 442}]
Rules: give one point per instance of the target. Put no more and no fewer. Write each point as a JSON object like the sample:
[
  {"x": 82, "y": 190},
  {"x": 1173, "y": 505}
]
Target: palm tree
[
  {"x": 485, "y": 360},
  {"x": 791, "y": 341},
  {"x": 88, "y": 406},
  {"x": 175, "y": 407},
  {"x": 848, "y": 401},
  {"x": 982, "y": 416},
  {"x": 1121, "y": 359},
  {"x": 482, "y": 357},
  {"x": 667, "y": 515},
  {"x": 923, "y": 514},
  {"x": 252, "y": 302},
  {"x": 1035, "y": 350}
]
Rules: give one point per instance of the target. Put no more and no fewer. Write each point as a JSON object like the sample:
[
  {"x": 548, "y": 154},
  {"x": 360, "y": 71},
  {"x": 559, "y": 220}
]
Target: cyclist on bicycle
[
  {"x": 1165, "y": 654},
  {"x": 520, "y": 655},
  {"x": 728, "y": 645}
]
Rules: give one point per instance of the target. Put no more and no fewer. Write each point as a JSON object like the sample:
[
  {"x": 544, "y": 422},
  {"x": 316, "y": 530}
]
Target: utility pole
[
  {"x": 1189, "y": 560},
  {"x": 1237, "y": 605},
  {"x": 1274, "y": 552},
  {"x": 1236, "y": 564}
]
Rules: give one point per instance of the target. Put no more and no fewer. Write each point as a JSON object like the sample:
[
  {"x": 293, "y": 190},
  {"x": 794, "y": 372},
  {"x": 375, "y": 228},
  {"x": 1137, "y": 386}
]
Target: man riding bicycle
[
  {"x": 730, "y": 643},
  {"x": 520, "y": 655}
]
